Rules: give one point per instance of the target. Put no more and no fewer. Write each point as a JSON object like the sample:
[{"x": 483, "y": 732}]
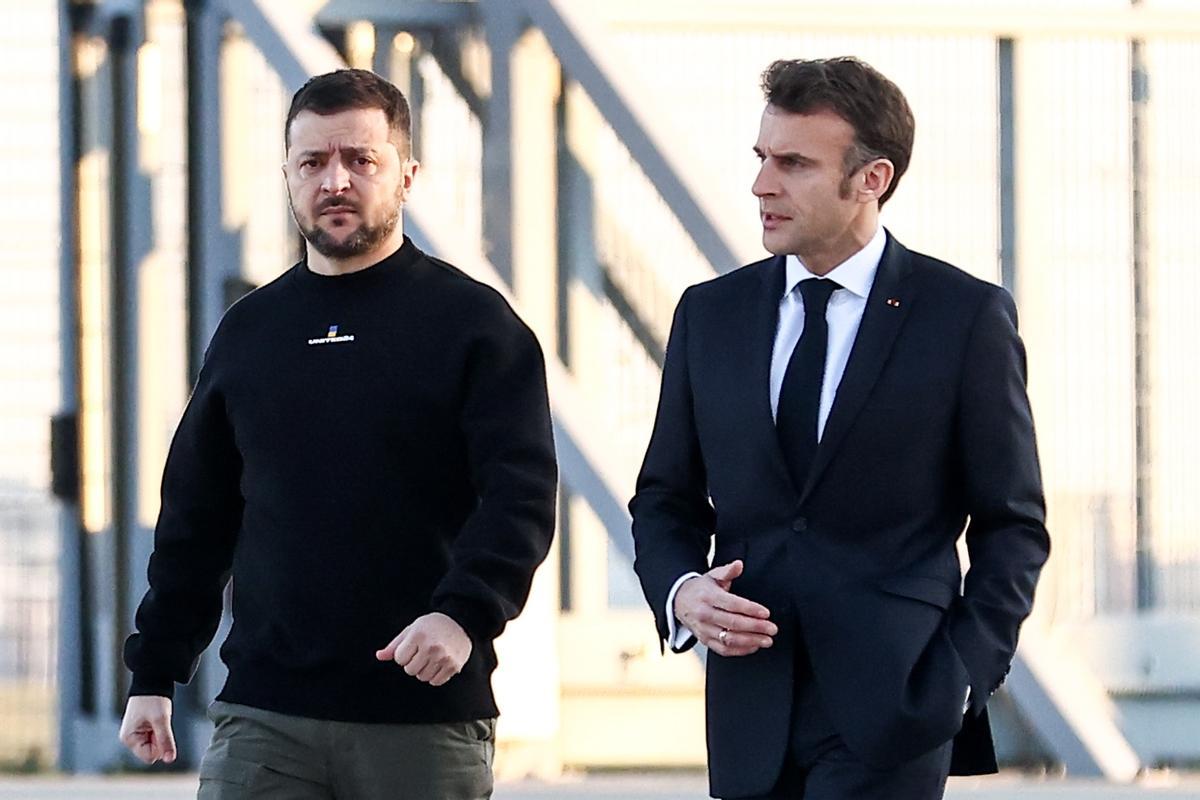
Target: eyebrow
[
  {"x": 354, "y": 151},
  {"x": 803, "y": 159}
]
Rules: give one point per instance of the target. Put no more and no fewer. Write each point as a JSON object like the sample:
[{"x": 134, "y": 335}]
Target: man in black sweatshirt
[{"x": 368, "y": 452}]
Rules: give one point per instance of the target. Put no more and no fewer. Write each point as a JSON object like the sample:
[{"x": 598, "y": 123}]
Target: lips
[
  {"x": 770, "y": 220},
  {"x": 336, "y": 205}
]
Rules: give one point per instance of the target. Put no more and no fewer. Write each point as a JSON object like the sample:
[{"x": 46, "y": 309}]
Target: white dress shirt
[{"x": 855, "y": 276}]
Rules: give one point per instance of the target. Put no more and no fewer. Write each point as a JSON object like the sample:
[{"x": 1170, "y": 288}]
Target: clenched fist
[
  {"x": 433, "y": 649},
  {"x": 146, "y": 729}
]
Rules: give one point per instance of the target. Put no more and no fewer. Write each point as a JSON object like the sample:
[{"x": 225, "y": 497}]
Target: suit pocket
[{"x": 916, "y": 587}]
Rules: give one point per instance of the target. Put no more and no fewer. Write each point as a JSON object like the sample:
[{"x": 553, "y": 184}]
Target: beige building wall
[{"x": 29, "y": 381}]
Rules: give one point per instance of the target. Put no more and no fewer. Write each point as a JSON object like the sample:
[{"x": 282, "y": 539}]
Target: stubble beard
[{"x": 364, "y": 239}]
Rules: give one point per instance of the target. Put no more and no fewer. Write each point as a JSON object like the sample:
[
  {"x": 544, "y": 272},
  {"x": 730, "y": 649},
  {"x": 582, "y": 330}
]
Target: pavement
[{"x": 690, "y": 786}]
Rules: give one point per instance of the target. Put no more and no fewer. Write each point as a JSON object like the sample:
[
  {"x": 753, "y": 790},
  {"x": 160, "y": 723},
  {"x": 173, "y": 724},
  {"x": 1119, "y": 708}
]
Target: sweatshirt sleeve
[
  {"x": 505, "y": 420},
  {"x": 193, "y": 546}
]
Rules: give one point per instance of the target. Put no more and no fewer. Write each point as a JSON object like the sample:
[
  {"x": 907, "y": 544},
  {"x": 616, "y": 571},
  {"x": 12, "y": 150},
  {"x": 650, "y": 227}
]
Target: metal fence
[{"x": 28, "y": 611}]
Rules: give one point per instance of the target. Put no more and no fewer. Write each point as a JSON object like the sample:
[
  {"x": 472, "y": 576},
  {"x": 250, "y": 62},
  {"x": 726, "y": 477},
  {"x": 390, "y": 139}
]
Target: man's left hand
[{"x": 433, "y": 649}]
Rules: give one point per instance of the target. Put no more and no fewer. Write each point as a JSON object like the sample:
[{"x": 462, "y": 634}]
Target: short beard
[{"x": 364, "y": 240}]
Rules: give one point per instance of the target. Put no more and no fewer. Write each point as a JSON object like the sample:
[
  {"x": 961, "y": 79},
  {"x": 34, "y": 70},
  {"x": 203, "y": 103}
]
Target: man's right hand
[
  {"x": 706, "y": 606},
  {"x": 146, "y": 729}
]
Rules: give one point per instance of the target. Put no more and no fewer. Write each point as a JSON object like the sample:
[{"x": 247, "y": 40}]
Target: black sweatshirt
[{"x": 359, "y": 450}]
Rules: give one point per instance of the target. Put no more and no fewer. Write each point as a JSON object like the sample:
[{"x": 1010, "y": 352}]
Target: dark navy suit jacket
[{"x": 930, "y": 434}]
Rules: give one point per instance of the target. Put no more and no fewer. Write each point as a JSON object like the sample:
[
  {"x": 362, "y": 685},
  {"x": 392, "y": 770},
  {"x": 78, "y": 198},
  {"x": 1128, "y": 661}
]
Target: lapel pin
[{"x": 893, "y": 302}]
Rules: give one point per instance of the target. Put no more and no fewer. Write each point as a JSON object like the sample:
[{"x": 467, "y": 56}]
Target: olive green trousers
[{"x": 264, "y": 755}]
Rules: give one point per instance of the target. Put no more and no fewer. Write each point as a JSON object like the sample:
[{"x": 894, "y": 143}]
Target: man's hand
[
  {"x": 146, "y": 729},
  {"x": 706, "y": 606},
  {"x": 432, "y": 649}
]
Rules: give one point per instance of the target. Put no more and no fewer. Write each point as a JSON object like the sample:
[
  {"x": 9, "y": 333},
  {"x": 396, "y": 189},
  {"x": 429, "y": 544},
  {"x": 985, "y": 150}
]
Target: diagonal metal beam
[
  {"x": 447, "y": 54},
  {"x": 288, "y": 41},
  {"x": 578, "y": 46},
  {"x": 407, "y": 15},
  {"x": 1069, "y": 710}
]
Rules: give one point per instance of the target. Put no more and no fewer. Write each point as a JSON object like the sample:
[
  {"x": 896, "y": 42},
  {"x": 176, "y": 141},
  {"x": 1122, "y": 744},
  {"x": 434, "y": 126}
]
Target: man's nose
[
  {"x": 763, "y": 185},
  {"x": 336, "y": 178}
]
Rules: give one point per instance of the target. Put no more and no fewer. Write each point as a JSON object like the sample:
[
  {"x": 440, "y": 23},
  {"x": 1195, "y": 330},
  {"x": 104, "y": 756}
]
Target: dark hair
[
  {"x": 855, "y": 91},
  {"x": 348, "y": 89}
]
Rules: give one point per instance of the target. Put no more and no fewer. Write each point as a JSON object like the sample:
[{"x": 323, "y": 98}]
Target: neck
[
  {"x": 323, "y": 265},
  {"x": 821, "y": 259}
]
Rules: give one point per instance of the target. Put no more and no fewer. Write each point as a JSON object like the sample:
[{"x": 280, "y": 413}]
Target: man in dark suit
[{"x": 837, "y": 415}]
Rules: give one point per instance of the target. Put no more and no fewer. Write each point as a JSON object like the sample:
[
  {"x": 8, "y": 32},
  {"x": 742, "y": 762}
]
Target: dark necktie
[{"x": 800, "y": 396}]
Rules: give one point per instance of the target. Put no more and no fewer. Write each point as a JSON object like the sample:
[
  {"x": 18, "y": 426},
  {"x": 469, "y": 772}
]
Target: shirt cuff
[
  {"x": 967, "y": 700},
  {"x": 678, "y": 634},
  {"x": 155, "y": 685}
]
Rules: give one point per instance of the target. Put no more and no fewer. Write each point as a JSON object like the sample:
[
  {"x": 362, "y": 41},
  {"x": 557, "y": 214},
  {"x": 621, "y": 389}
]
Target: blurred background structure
[{"x": 593, "y": 159}]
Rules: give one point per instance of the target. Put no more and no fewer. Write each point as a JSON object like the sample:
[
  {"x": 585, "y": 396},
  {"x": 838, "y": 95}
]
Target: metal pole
[
  {"x": 131, "y": 243},
  {"x": 213, "y": 253},
  {"x": 65, "y": 431},
  {"x": 1007, "y": 128},
  {"x": 502, "y": 28},
  {"x": 1139, "y": 83}
]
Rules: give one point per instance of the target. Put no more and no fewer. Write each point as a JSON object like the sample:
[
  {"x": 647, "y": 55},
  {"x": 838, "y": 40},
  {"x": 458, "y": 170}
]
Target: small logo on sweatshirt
[{"x": 332, "y": 337}]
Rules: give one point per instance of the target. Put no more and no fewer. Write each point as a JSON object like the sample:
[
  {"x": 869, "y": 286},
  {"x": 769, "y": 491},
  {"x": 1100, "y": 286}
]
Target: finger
[
  {"x": 140, "y": 742},
  {"x": 418, "y": 662},
  {"x": 444, "y": 674},
  {"x": 164, "y": 738},
  {"x": 738, "y": 652},
  {"x": 732, "y": 648},
  {"x": 742, "y": 624},
  {"x": 143, "y": 748},
  {"x": 407, "y": 651},
  {"x": 729, "y": 650},
  {"x": 432, "y": 668},
  {"x": 734, "y": 604},
  {"x": 727, "y": 572},
  {"x": 733, "y": 640},
  {"x": 709, "y": 607},
  {"x": 388, "y": 652}
]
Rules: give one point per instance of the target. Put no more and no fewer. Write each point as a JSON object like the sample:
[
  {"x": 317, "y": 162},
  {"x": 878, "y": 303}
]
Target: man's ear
[
  {"x": 408, "y": 173},
  {"x": 876, "y": 179}
]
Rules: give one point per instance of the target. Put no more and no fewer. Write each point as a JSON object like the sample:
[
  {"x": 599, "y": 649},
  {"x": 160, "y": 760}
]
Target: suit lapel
[{"x": 888, "y": 303}]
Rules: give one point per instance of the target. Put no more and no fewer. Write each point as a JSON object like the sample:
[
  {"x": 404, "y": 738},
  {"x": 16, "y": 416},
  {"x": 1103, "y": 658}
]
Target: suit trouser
[
  {"x": 264, "y": 755},
  {"x": 819, "y": 766}
]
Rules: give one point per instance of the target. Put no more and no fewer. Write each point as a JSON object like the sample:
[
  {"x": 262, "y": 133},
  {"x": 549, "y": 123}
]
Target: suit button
[{"x": 800, "y": 524}]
